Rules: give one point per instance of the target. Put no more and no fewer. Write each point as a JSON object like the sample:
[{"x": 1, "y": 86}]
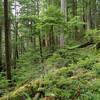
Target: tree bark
[
  {"x": 40, "y": 44},
  {"x": 84, "y": 16},
  {"x": 76, "y": 34},
  {"x": 94, "y": 13},
  {"x": 64, "y": 8},
  {"x": 0, "y": 48},
  {"x": 51, "y": 39},
  {"x": 7, "y": 40},
  {"x": 74, "y": 8},
  {"x": 64, "y": 11},
  {"x": 89, "y": 16},
  {"x": 16, "y": 54}
]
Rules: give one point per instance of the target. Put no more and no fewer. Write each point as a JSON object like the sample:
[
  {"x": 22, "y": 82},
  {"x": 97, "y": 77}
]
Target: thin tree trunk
[
  {"x": 94, "y": 14},
  {"x": 16, "y": 55},
  {"x": 40, "y": 43},
  {"x": 98, "y": 15},
  {"x": 40, "y": 40},
  {"x": 84, "y": 16},
  {"x": 0, "y": 48},
  {"x": 52, "y": 41},
  {"x": 76, "y": 34},
  {"x": 7, "y": 40},
  {"x": 74, "y": 8},
  {"x": 1, "y": 24}
]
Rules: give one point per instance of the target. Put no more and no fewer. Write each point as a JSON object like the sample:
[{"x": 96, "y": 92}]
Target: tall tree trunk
[
  {"x": 7, "y": 40},
  {"x": 89, "y": 17},
  {"x": 63, "y": 9},
  {"x": 84, "y": 16},
  {"x": 1, "y": 28},
  {"x": 51, "y": 39},
  {"x": 98, "y": 15},
  {"x": 40, "y": 44},
  {"x": 74, "y": 8},
  {"x": 77, "y": 35},
  {"x": 40, "y": 40},
  {"x": 33, "y": 37},
  {"x": 0, "y": 48},
  {"x": 16, "y": 55},
  {"x": 94, "y": 14}
]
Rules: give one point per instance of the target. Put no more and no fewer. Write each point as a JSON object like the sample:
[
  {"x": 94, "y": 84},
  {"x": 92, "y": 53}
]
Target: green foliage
[
  {"x": 3, "y": 82},
  {"x": 97, "y": 68},
  {"x": 52, "y": 16},
  {"x": 62, "y": 85},
  {"x": 72, "y": 24},
  {"x": 67, "y": 72},
  {"x": 55, "y": 61},
  {"x": 54, "y": 81},
  {"x": 71, "y": 56},
  {"x": 28, "y": 66},
  {"x": 86, "y": 63},
  {"x": 27, "y": 97},
  {"x": 82, "y": 76},
  {"x": 93, "y": 33},
  {"x": 76, "y": 21}
]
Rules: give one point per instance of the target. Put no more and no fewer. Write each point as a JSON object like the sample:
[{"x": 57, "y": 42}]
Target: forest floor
[{"x": 68, "y": 74}]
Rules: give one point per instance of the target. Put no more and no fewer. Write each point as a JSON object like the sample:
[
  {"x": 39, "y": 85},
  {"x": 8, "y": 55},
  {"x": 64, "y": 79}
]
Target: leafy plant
[
  {"x": 3, "y": 82},
  {"x": 93, "y": 34}
]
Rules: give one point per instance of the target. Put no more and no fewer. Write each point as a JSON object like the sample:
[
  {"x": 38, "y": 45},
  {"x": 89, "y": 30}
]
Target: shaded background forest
[{"x": 48, "y": 38}]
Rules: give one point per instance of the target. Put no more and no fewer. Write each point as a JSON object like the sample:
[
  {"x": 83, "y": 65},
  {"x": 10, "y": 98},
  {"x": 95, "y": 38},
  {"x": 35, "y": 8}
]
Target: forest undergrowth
[{"x": 67, "y": 74}]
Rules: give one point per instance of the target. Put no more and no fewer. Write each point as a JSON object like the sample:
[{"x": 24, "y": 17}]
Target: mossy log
[
  {"x": 19, "y": 93},
  {"x": 82, "y": 45},
  {"x": 85, "y": 44}
]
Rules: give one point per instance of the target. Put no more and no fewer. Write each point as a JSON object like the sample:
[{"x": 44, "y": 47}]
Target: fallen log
[
  {"x": 29, "y": 88},
  {"x": 85, "y": 44},
  {"x": 82, "y": 45}
]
